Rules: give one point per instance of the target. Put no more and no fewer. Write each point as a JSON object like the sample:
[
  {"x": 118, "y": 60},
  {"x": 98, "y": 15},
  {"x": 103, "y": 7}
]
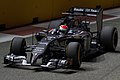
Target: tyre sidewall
[
  {"x": 73, "y": 52},
  {"x": 18, "y": 46},
  {"x": 107, "y": 38}
]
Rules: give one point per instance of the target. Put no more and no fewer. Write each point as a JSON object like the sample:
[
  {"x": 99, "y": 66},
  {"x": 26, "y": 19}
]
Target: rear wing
[
  {"x": 90, "y": 12},
  {"x": 85, "y": 11}
]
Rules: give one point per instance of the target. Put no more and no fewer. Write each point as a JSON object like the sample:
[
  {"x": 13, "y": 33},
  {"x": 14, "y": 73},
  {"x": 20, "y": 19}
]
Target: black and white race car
[{"x": 67, "y": 42}]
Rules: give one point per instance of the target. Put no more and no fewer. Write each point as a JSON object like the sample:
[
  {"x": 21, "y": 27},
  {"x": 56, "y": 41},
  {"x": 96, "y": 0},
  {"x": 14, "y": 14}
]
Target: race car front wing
[{"x": 22, "y": 61}]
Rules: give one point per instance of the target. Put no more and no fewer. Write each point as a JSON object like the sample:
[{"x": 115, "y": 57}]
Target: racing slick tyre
[
  {"x": 73, "y": 53},
  {"x": 109, "y": 38},
  {"x": 18, "y": 46}
]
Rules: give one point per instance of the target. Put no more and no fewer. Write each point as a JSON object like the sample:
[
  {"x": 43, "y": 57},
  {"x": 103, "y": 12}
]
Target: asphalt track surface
[{"x": 104, "y": 67}]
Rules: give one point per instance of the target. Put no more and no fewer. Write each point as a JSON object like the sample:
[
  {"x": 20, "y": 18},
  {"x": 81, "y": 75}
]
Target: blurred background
[{"x": 15, "y": 13}]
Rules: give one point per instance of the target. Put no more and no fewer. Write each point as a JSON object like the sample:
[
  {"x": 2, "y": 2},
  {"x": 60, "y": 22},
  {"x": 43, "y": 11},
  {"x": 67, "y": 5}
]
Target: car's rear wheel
[
  {"x": 18, "y": 46},
  {"x": 109, "y": 38},
  {"x": 73, "y": 52}
]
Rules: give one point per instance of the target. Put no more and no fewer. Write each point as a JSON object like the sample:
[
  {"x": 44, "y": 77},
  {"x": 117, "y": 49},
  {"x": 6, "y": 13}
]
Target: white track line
[
  {"x": 107, "y": 19},
  {"x": 111, "y": 18}
]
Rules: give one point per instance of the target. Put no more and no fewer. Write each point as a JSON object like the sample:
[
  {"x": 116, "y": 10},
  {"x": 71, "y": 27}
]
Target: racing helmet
[{"x": 63, "y": 29}]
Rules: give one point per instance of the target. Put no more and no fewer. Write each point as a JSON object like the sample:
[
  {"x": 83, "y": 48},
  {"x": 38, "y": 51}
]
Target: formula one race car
[{"x": 66, "y": 43}]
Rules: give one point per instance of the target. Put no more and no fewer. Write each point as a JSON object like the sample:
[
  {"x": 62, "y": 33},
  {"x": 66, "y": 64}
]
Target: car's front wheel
[
  {"x": 18, "y": 45},
  {"x": 73, "y": 52}
]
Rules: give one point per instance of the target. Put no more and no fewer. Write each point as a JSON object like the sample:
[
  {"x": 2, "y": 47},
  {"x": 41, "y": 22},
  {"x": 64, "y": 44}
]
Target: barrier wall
[{"x": 15, "y": 13}]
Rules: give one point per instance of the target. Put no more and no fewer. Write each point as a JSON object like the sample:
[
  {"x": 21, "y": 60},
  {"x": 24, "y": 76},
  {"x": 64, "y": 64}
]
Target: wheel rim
[
  {"x": 115, "y": 39},
  {"x": 79, "y": 61}
]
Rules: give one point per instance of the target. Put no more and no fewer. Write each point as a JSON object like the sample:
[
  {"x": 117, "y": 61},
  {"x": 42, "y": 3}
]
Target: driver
[{"x": 62, "y": 29}]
